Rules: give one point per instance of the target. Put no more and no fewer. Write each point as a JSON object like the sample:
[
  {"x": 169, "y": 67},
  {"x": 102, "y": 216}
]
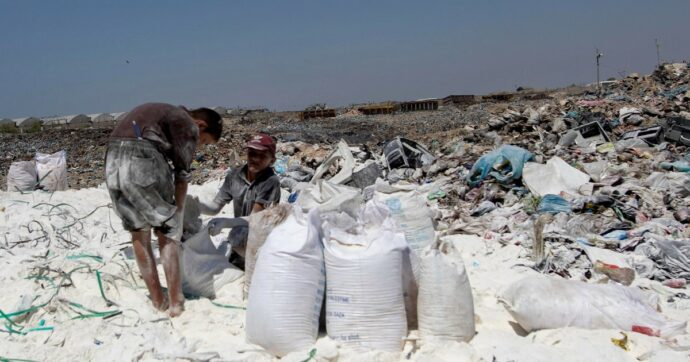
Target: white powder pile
[{"x": 54, "y": 247}]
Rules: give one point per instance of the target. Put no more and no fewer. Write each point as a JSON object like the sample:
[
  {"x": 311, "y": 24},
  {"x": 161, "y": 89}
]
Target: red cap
[{"x": 262, "y": 142}]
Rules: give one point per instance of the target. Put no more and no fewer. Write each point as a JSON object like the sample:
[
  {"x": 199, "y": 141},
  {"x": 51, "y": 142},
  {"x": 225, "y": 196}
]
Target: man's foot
[
  {"x": 161, "y": 305},
  {"x": 175, "y": 310}
]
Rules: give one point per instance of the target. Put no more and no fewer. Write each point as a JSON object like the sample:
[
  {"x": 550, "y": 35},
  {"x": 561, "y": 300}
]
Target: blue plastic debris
[
  {"x": 617, "y": 235},
  {"x": 680, "y": 166},
  {"x": 504, "y": 164},
  {"x": 280, "y": 166},
  {"x": 554, "y": 204},
  {"x": 675, "y": 92}
]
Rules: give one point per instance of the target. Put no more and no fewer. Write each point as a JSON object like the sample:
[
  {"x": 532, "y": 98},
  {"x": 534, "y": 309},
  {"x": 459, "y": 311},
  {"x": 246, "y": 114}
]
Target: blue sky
[{"x": 65, "y": 57}]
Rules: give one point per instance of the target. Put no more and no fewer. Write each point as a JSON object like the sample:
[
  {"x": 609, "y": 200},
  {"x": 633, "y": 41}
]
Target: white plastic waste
[
  {"x": 554, "y": 177},
  {"x": 287, "y": 288},
  {"x": 52, "y": 170},
  {"x": 445, "y": 306},
  {"x": 540, "y": 302},
  {"x": 675, "y": 183},
  {"x": 327, "y": 196},
  {"x": 22, "y": 176},
  {"x": 364, "y": 297},
  {"x": 341, "y": 156},
  {"x": 205, "y": 267}
]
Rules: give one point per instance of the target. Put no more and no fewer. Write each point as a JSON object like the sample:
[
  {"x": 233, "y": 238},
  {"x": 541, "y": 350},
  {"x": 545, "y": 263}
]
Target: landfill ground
[
  {"x": 86, "y": 146},
  {"x": 569, "y": 212}
]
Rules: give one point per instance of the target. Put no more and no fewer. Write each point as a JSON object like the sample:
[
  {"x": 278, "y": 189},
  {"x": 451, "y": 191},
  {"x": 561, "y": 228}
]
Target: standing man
[
  {"x": 145, "y": 191},
  {"x": 252, "y": 188}
]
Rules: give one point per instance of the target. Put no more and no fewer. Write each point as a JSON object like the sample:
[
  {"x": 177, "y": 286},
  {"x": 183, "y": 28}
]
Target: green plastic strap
[
  {"x": 227, "y": 306},
  {"x": 23, "y": 333},
  {"x": 82, "y": 256},
  {"x": 7, "y": 317},
  {"x": 42, "y": 277},
  {"x": 7, "y": 359},
  {"x": 100, "y": 287},
  {"x": 93, "y": 312},
  {"x": 312, "y": 354},
  {"x": 36, "y": 307}
]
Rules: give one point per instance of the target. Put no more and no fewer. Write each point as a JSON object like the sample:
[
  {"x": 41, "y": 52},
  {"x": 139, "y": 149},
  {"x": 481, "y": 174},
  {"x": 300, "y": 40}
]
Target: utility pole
[
  {"x": 658, "y": 53},
  {"x": 599, "y": 55}
]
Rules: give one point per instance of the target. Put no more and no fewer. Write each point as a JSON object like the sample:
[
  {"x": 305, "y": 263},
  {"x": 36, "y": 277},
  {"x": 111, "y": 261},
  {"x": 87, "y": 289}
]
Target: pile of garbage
[
  {"x": 595, "y": 190},
  {"x": 584, "y": 197}
]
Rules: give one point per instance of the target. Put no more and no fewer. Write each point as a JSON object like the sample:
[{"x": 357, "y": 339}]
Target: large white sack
[
  {"x": 365, "y": 309},
  {"x": 287, "y": 288},
  {"x": 52, "y": 170},
  {"x": 327, "y": 196},
  {"x": 554, "y": 177},
  {"x": 540, "y": 302},
  {"x": 205, "y": 267},
  {"x": 445, "y": 306},
  {"x": 407, "y": 205},
  {"x": 261, "y": 225},
  {"x": 22, "y": 176}
]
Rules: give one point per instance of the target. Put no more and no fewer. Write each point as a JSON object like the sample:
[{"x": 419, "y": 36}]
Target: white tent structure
[
  {"x": 119, "y": 116},
  {"x": 27, "y": 122},
  {"x": 54, "y": 121},
  {"x": 7, "y": 124},
  {"x": 101, "y": 117},
  {"x": 78, "y": 119},
  {"x": 72, "y": 120},
  {"x": 221, "y": 110}
]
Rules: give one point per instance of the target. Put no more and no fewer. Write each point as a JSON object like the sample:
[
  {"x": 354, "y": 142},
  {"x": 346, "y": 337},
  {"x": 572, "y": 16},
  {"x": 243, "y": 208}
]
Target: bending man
[{"x": 144, "y": 191}]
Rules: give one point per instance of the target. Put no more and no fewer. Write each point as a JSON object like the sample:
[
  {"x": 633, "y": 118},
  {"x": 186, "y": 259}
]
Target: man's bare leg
[
  {"x": 171, "y": 266},
  {"x": 141, "y": 241}
]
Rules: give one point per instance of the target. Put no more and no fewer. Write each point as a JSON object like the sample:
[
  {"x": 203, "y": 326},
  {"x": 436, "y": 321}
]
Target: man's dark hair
[{"x": 214, "y": 124}]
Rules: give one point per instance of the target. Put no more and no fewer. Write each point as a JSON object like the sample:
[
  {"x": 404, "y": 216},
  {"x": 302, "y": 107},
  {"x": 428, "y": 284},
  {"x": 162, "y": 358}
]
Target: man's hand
[{"x": 217, "y": 224}]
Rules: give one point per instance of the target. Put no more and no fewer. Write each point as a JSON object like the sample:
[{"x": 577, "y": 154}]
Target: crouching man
[
  {"x": 252, "y": 188},
  {"x": 147, "y": 194}
]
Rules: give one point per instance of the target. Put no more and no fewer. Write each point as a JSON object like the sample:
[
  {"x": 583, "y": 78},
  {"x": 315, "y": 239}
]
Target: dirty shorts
[{"x": 140, "y": 184}]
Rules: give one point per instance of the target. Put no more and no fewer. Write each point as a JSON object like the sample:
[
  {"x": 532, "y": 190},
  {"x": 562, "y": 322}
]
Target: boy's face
[
  {"x": 258, "y": 161},
  {"x": 206, "y": 138}
]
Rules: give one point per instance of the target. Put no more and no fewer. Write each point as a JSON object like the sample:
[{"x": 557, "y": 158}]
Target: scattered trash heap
[{"x": 593, "y": 188}]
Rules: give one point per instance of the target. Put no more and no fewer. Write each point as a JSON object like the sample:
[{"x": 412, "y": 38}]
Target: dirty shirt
[
  {"x": 265, "y": 190},
  {"x": 169, "y": 128}
]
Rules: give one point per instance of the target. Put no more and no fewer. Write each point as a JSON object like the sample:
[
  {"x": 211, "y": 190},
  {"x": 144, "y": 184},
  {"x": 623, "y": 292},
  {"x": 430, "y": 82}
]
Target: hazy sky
[{"x": 65, "y": 57}]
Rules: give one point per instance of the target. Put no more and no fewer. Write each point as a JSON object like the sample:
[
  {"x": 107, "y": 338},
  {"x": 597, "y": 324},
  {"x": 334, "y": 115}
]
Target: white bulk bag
[
  {"x": 261, "y": 225},
  {"x": 407, "y": 205},
  {"x": 52, "y": 171},
  {"x": 364, "y": 296},
  {"x": 205, "y": 267},
  {"x": 287, "y": 287},
  {"x": 445, "y": 307},
  {"x": 540, "y": 302},
  {"x": 22, "y": 176}
]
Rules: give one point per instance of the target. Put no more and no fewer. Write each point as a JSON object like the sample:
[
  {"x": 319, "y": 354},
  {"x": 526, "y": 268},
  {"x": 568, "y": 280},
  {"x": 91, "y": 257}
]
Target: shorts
[{"x": 140, "y": 184}]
